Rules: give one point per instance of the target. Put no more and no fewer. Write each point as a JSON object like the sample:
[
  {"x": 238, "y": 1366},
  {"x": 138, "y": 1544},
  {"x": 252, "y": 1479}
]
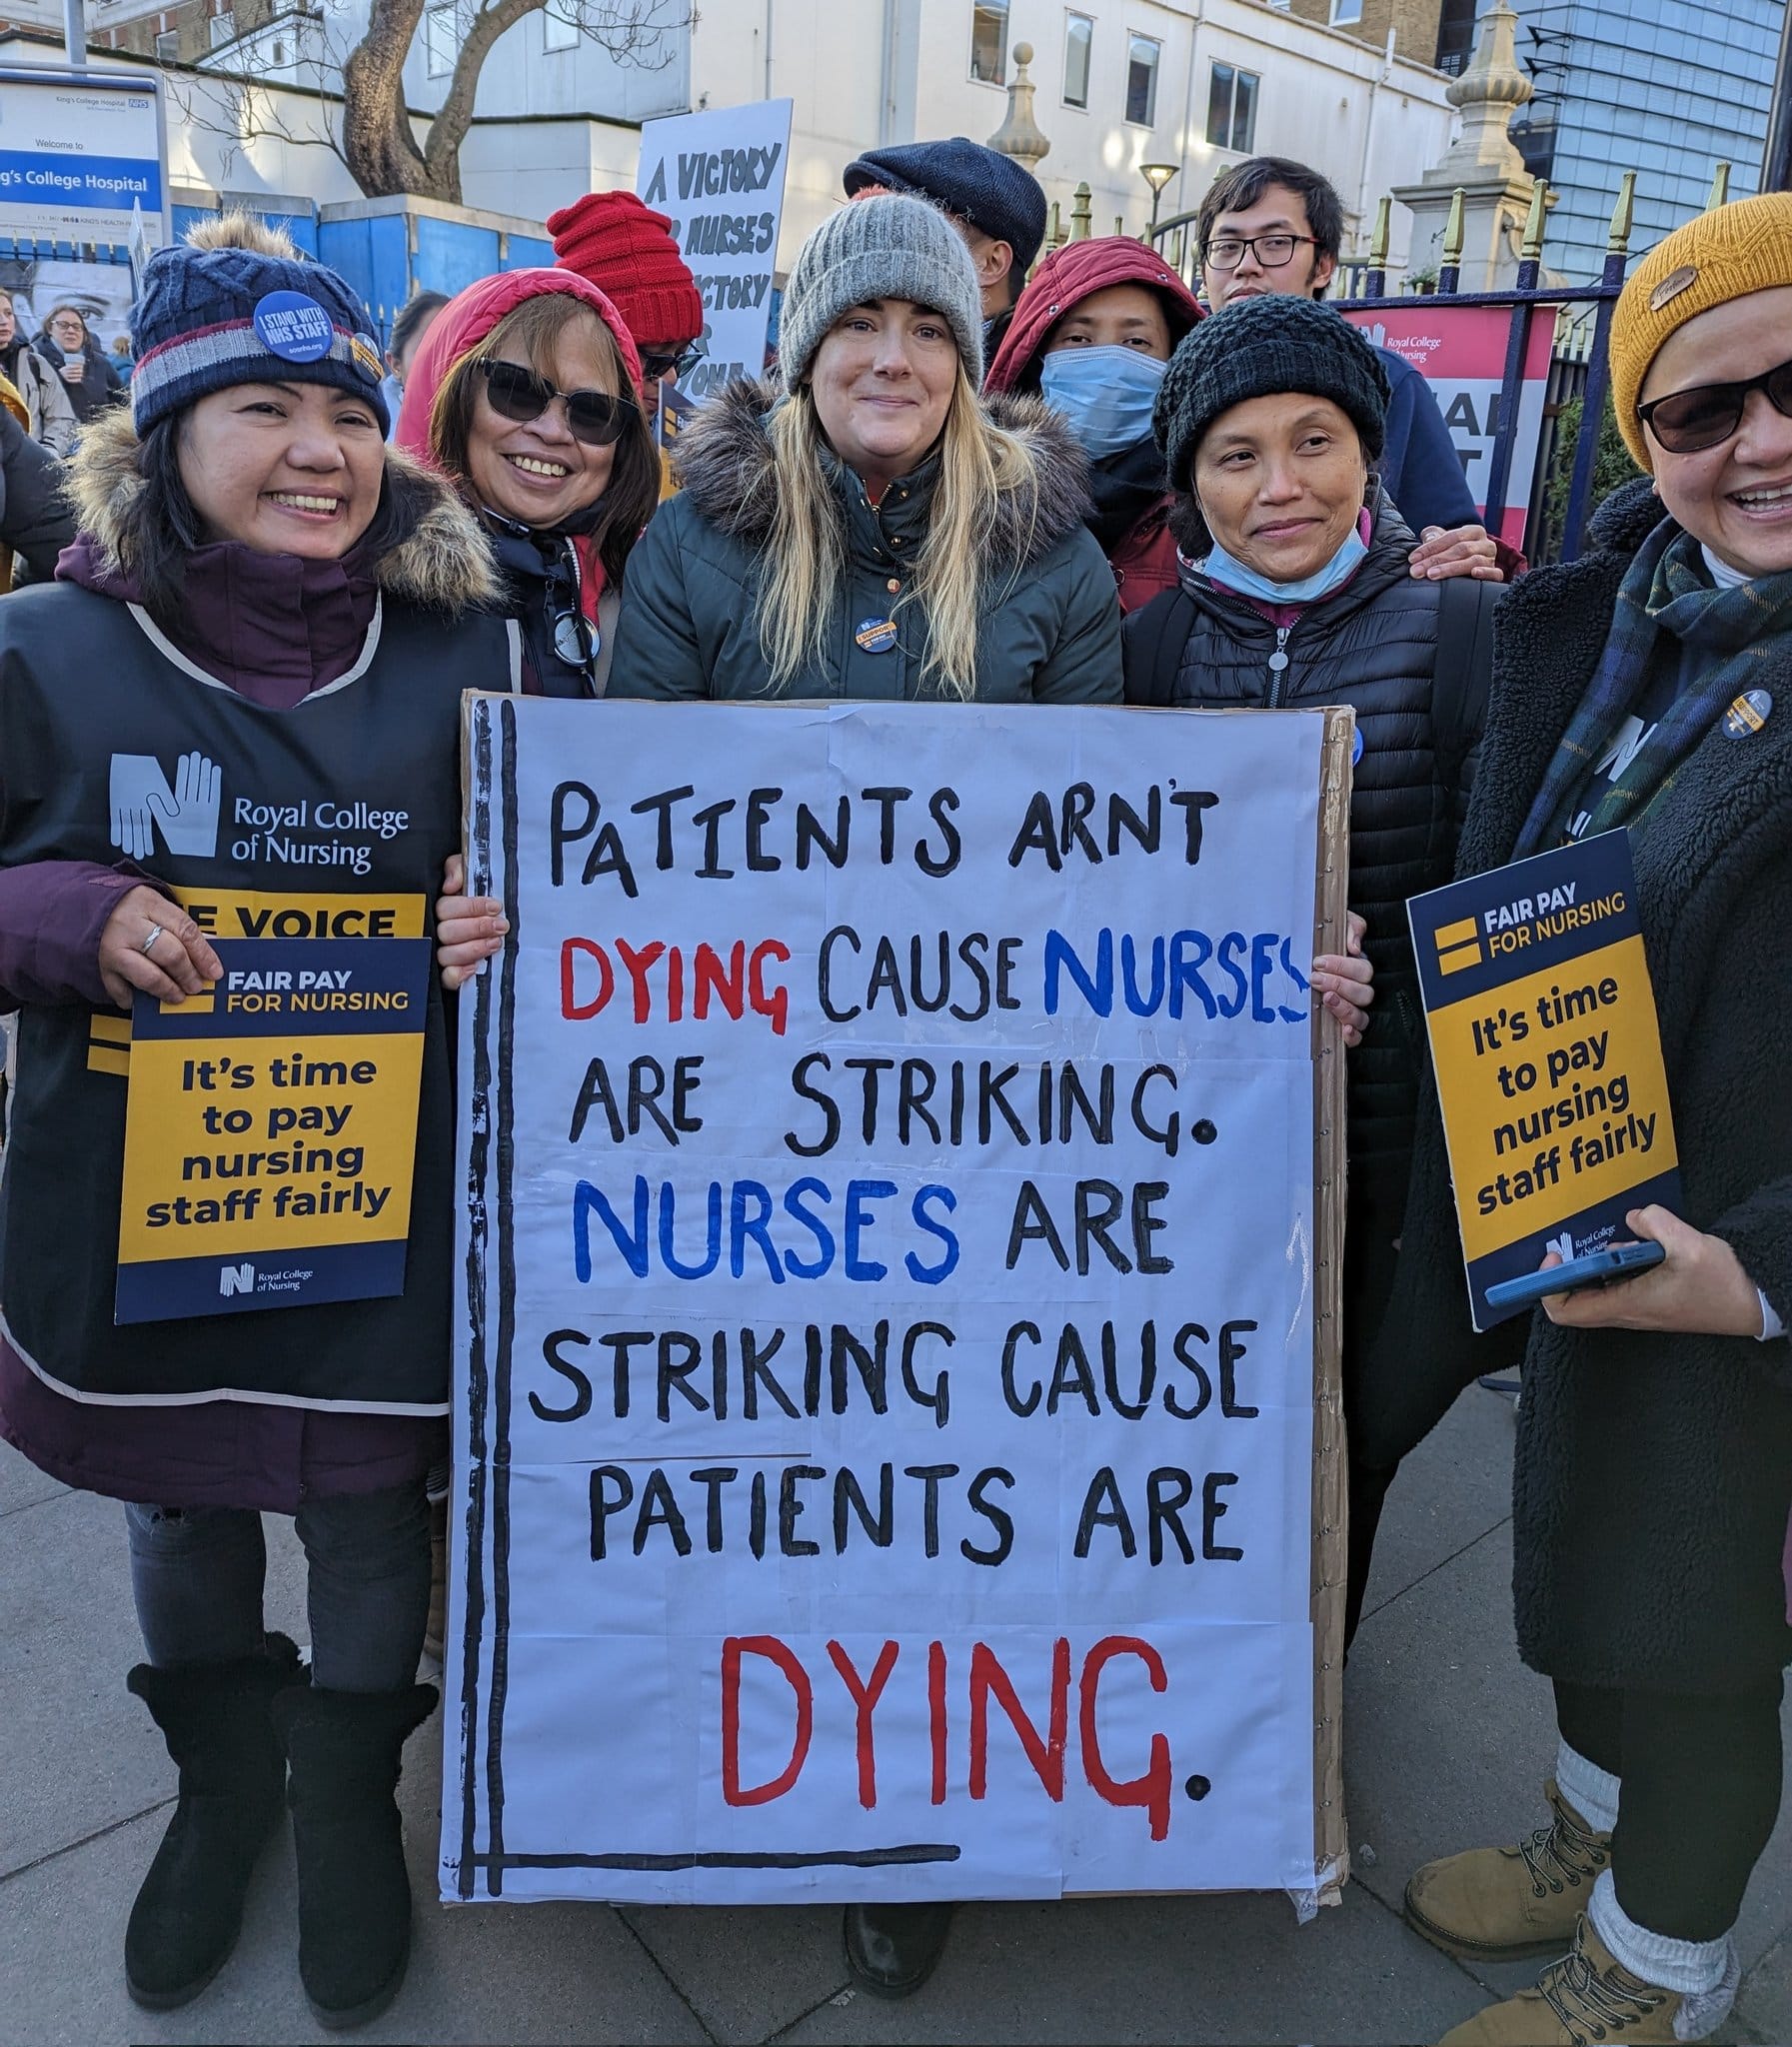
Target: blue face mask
[
  {"x": 1219, "y": 567},
  {"x": 1105, "y": 394}
]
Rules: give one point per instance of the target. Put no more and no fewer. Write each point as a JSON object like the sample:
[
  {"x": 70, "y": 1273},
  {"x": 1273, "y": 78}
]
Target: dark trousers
[
  {"x": 1701, "y": 1792},
  {"x": 1372, "y": 1227},
  {"x": 197, "y": 1577}
]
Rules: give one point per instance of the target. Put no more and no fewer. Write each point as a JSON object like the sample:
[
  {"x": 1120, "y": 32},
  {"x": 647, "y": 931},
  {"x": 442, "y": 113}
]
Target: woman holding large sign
[
  {"x": 1297, "y": 590},
  {"x": 1648, "y": 688},
  {"x": 872, "y": 529},
  {"x": 237, "y": 715}
]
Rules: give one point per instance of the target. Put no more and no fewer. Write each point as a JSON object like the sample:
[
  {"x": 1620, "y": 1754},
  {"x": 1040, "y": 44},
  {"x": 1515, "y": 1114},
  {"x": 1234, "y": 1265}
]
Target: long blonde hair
[{"x": 979, "y": 461}]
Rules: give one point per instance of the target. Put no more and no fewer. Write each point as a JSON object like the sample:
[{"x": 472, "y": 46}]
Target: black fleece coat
[
  {"x": 1654, "y": 1472},
  {"x": 36, "y": 521},
  {"x": 1372, "y": 644}
]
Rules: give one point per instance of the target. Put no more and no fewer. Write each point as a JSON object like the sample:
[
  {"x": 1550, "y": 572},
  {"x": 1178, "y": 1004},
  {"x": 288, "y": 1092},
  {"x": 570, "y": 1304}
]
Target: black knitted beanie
[{"x": 1256, "y": 349}]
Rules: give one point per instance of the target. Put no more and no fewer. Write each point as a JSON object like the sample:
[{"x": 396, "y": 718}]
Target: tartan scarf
[{"x": 1724, "y": 636}]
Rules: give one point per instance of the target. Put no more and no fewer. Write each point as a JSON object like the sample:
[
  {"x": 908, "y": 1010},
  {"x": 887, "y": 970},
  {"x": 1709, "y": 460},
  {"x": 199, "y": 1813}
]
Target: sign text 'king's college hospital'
[{"x": 887, "y": 1371}]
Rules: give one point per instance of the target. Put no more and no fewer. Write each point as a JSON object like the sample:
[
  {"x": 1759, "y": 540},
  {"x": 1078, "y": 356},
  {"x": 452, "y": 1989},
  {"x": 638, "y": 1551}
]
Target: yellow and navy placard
[
  {"x": 271, "y": 1130},
  {"x": 1548, "y": 1056}
]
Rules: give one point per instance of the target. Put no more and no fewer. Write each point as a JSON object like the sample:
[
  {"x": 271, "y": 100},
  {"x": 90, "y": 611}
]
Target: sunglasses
[
  {"x": 1686, "y": 421},
  {"x": 655, "y": 363},
  {"x": 592, "y": 417}
]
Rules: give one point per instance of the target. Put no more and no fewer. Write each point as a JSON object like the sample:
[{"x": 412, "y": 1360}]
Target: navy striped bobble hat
[{"x": 237, "y": 304}]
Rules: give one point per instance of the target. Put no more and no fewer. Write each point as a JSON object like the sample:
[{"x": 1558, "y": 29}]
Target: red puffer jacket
[{"x": 1140, "y": 553}]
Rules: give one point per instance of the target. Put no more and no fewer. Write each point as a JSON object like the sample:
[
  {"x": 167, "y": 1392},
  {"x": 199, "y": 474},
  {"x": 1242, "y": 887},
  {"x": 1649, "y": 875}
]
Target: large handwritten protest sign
[
  {"x": 1547, "y": 1052},
  {"x": 900, "y": 1290}
]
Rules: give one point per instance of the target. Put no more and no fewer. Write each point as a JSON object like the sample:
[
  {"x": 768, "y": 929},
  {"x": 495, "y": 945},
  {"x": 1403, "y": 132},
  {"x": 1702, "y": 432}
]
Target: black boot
[
  {"x": 342, "y": 1752},
  {"x": 214, "y": 1718},
  {"x": 894, "y": 1949}
]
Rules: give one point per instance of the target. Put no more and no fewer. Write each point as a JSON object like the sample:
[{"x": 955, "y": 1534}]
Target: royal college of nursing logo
[{"x": 143, "y": 803}]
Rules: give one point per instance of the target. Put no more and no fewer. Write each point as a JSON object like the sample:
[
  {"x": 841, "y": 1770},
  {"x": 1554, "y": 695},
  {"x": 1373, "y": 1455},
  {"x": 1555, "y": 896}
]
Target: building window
[
  {"x": 440, "y": 39},
  {"x": 559, "y": 28},
  {"x": 168, "y": 46},
  {"x": 1232, "y": 108},
  {"x": 223, "y": 27},
  {"x": 1343, "y": 12},
  {"x": 1142, "y": 80},
  {"x": 990, "y": 41},
  {"x": 1078, "y": 34}
]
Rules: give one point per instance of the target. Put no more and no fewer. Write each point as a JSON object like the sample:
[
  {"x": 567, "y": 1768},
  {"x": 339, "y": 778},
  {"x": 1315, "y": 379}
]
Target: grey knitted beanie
[
  {"x": 888, "y": 247},
  {"x": 1257, "y": 349}
]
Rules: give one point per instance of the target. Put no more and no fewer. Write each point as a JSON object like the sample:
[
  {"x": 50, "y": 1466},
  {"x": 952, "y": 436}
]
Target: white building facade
[{"x": 1118, "y": 83}]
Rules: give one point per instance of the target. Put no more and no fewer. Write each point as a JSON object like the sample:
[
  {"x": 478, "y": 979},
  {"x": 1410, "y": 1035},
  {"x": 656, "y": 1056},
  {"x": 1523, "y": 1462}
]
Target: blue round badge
[
  {"x": 1357, "y": 748},
  {"x": 1748, "y": 713},
  {"x": 293, "y": 326},
  {"x": 876, "y": 636}
]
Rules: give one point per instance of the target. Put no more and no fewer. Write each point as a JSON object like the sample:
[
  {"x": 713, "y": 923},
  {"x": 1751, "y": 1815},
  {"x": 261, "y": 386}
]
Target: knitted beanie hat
[
  {"x": 627, "y": 250},
  {"x": 1256, "y": 349},
  {"x": 972, "y": 182},
  {"x": 1724, "y": 255},
  {"x": 889, "y": 247},
  {"x": 237, "y": 304}
]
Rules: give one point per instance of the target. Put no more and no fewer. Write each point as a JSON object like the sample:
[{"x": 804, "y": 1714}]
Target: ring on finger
[{"x": 148, "y": 943}]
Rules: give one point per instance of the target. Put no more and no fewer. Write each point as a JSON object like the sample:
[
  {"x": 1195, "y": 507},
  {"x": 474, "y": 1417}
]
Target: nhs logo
[
  {"x": 143, "y": 803},
  {"x": 235, "y": 1279}
]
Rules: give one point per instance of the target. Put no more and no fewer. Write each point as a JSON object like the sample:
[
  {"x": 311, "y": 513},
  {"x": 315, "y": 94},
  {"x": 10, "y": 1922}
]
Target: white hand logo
[{"x": 187, "y": 813}]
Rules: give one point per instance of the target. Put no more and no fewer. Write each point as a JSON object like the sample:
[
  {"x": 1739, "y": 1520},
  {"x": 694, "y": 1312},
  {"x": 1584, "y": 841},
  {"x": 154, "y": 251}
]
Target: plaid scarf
[{"x": 1724, "y": 635}]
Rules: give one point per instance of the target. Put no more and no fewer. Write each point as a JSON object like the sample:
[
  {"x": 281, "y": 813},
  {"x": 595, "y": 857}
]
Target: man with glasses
[
  {"x": 627, "y": 250},
  {"x": 1271, "y": 225}
]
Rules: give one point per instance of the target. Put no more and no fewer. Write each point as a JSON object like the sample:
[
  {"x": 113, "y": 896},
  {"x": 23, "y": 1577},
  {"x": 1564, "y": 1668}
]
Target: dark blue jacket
[{"x": 1419, "y": 467}]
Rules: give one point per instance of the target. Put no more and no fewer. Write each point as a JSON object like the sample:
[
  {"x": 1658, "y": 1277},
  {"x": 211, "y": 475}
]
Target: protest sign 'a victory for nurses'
[{"x": 887, "y": 1363}]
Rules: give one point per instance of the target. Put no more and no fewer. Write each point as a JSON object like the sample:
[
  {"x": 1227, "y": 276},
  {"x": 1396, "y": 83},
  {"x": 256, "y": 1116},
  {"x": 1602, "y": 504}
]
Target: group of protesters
[{"x": 973, "y": 476}]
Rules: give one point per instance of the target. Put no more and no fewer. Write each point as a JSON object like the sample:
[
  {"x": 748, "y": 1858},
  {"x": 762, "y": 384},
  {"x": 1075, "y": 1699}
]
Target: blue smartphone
[{"x": 1597, "y": 1268}]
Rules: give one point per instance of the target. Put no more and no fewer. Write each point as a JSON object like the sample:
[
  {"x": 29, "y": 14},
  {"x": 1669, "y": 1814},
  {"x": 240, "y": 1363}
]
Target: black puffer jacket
[
  {"x": 1374, "y": 646},
  {"x": 1653, "y": 1474}
]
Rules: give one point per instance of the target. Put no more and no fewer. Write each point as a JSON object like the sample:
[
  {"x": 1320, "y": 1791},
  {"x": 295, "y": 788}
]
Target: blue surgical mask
[
  {"x": 1219, "y": 567},
  {"x": 1105, "y": 394}
]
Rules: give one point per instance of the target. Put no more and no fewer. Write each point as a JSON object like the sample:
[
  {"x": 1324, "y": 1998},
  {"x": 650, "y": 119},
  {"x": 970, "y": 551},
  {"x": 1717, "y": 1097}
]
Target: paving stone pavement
[{"x": 1447, "y": 1740}]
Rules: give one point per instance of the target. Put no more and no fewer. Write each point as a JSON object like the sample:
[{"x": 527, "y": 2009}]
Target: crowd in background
[{"x": 970, "y": 476}]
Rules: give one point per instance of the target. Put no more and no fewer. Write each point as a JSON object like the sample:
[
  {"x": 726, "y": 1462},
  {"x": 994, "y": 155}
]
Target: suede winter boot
[
  {"x": 1587, "y": 1999},
  {"x": 1504, "y": 1904},
  {"x": 189, "y": 1911},
  {"x": 342, "y": 1752}
]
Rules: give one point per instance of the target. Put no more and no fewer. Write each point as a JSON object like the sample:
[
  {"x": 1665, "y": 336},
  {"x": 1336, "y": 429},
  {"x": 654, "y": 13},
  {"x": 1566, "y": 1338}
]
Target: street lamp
[{"x": 1156, "y": 176}]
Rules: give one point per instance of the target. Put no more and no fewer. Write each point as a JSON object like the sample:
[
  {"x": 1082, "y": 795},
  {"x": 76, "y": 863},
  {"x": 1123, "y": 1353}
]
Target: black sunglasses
[
  {"x": 592, "y": 417},
  {"x": 656, "y": 363},
  {"x": 1686, "y": 421}
]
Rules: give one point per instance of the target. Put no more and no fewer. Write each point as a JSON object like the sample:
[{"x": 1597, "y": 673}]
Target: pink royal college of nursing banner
[{"x": 1460, "y": 351}]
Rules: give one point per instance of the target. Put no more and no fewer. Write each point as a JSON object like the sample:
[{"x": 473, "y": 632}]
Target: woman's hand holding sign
[
  {"x": 469, "y": 929},
  {"x": 152, "y": 944},
  {"x": 1346, "y": 982},
  {"x": 1699, "y": 1288}
]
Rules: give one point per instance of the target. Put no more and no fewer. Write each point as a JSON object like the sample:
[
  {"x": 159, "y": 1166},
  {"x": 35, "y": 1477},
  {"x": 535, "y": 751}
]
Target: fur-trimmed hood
[
  {"x": 443, "y": 563},
  {"x": 725, "y": 465}
]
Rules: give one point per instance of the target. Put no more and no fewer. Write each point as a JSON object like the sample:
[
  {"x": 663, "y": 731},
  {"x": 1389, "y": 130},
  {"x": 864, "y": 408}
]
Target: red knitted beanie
[{"x": 625, "y": 249}]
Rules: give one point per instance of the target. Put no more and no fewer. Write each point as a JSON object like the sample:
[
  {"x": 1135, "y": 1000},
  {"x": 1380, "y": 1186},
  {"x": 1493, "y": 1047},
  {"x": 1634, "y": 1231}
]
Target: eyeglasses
[
  {"x": 655, "y": 363},
  {"x": 592, "y": 417},
  {"x": 1706, "y": 415},
  {"x": 1272, "y": 251}
]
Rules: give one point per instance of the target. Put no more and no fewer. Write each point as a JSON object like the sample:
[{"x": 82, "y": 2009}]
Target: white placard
[
  {"x": 720, "y": 176},
  {"x": 886, "y": 1387}
]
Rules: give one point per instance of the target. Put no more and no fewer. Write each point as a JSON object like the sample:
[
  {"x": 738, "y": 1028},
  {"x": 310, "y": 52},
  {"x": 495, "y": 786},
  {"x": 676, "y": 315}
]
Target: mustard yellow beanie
[{"x": 1724, "y": 255}]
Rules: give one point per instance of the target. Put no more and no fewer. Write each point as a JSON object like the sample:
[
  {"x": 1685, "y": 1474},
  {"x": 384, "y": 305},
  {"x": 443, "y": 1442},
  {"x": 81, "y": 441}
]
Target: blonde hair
[{"x": 805, "y": 548}]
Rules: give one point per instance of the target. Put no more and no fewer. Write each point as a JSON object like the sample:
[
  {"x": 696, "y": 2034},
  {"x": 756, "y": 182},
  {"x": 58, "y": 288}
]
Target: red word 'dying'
[{"x": 683, "y": 986}]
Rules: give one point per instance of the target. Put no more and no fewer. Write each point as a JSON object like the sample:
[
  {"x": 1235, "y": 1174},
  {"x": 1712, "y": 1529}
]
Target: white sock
[
  {"x": 1591, "y": 1792},
  {"x": 1704, "y": 1972}
]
